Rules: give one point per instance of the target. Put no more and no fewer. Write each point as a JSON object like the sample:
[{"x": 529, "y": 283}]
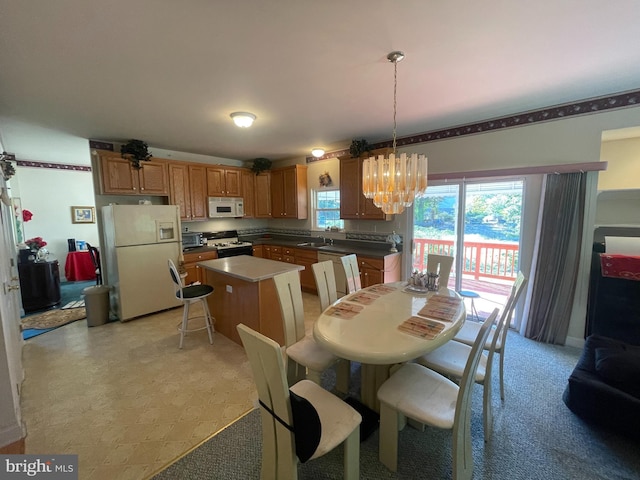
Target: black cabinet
[{"x": 39, "y": 285}]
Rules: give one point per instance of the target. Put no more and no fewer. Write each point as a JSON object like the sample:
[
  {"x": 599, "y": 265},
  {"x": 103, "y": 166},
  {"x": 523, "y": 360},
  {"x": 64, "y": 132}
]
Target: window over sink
[{"x": 326, "y": 209}]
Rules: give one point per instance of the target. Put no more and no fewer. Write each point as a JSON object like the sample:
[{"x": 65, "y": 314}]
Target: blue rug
[{"x": 69, "y": 292}]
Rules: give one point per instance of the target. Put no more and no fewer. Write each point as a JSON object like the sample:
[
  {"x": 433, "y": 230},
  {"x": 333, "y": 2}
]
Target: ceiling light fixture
[
  {"x": 394, "y": 182},
  {"x": 243, "y": 119},
  {"x": 317, "y": 152}
]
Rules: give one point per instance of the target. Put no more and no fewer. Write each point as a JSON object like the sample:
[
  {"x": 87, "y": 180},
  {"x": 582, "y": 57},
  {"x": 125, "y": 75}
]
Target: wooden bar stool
[{"x": 189, "y": 295}]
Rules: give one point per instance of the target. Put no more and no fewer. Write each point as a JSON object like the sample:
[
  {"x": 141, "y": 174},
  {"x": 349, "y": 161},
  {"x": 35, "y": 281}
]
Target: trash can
[{"x": 96, "y": 303}]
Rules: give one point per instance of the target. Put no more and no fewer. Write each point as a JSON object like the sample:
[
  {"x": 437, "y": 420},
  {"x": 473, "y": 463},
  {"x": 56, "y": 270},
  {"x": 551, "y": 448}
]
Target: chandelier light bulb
[{"x": 243, "y": 119}]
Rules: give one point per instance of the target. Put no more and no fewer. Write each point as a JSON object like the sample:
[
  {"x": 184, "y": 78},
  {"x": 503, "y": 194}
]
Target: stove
[{"x": 227, "y": 243}]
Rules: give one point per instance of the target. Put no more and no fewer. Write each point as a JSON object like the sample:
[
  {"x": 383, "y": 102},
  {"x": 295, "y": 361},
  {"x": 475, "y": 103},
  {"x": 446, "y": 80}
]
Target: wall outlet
[{"x": 229, "y": 289}]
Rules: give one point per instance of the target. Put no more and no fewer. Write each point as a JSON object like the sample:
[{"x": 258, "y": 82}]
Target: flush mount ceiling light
[
  {"x": 243, "y": 119},
  {"x": 317, "y": 152},
  {"x": 394, "y": 182}
]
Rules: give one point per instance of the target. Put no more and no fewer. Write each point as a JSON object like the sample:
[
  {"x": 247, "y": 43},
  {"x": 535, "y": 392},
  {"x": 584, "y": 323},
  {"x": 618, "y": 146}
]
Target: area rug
[{"x": 52, "y": 319}]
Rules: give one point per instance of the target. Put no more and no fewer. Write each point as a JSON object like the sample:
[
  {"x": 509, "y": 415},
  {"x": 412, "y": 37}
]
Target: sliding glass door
[{"x": 479, "y": 224}]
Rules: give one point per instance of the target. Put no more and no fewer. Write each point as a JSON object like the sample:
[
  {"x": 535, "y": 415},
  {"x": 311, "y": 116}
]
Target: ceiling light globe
[
  {"x": 243, "y": 119},
  {"x": 317, "y": 152}
]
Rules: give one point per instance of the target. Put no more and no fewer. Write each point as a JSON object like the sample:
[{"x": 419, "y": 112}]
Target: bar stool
[
  {"x": 472, "y": 296},
  {"x": 189, "y": 295}
]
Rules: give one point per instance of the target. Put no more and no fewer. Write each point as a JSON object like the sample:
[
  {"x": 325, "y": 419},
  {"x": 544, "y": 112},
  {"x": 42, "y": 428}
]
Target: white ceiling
[{"x": 314, "y": 72}]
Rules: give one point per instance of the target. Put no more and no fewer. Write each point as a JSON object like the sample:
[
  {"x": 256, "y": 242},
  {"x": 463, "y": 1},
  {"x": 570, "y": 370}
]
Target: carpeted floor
[
  {"x": 69, "y": 292},
  {"x": 535, "y": 436}
]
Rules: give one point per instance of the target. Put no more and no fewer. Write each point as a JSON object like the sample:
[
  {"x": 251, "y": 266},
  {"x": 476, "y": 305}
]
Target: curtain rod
[{"x": 518, "y": 171}]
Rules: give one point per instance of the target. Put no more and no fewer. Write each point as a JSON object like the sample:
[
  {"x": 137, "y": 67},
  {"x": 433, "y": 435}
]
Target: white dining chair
[
  {"x": 352, "y": 272},
  {"x": 426, "y": 397},
  {"x": 440, "y": 264},
  {"x": 469, "y": 330},
  {"x": 451, "y": 358},
  {"x": 324, "y": 276},
  {"x": 306, "y": 359},
  {"x": 301, "y": 422}
]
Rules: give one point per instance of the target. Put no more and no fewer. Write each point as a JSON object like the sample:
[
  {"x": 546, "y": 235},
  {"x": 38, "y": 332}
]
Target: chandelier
[{"x": 395, "y": 181}]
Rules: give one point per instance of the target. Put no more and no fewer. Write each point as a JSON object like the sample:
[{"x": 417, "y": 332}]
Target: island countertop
[{"x": 248, "y": 268}]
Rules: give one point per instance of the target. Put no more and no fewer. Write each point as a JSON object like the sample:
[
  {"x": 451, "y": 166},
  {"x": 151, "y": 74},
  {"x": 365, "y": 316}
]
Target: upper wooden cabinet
[
  {"x": 188, "y": 190},
  {"x": 248, "y": 192},
  {"x": 289, "y": 192},
  {"x": 224, "y": 182},
  {"x": 353, "y": 204},
  {"x": 262, "y": 200},
  {"x": 120, "y": 177}
]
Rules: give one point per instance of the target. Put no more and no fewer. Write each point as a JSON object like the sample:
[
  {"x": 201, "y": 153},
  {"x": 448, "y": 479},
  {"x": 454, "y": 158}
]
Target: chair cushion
[
  {"x": 308, "y": 353},
  {"x": 337, "y": 418},
  {"x": 306, "y": 426},
  {"x": 195, "y": 291},
  {"x": 421, "y": 394},
  {"x": 451, "y": 358},
  {"x": 620, "y": 369},
  {"x": 469, "y": 332}
]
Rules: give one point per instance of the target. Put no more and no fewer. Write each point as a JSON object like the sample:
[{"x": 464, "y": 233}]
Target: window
[{"x": 327, "y": 209}]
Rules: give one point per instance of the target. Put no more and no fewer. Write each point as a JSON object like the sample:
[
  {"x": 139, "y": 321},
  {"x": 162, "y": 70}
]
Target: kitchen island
[{"x": 244, "y": 292}]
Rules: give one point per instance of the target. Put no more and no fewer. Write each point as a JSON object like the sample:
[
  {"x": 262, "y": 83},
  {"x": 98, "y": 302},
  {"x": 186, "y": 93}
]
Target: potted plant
[
  {"x": 358, "y": 147},
  {"x": 260, "y": 165},
  {"x": 136, "y": 151}
]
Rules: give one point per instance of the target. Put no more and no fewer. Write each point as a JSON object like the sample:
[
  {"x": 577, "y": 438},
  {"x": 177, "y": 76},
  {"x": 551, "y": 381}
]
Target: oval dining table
[{"x": 372, "y": 326}]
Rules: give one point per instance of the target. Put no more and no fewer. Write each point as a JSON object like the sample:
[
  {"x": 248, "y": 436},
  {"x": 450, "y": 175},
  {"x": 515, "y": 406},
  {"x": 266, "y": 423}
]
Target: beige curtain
[{"x": 558, "y": 258}]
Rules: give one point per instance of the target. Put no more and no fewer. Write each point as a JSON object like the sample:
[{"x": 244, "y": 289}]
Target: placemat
[{"x": 421, "y": 327}]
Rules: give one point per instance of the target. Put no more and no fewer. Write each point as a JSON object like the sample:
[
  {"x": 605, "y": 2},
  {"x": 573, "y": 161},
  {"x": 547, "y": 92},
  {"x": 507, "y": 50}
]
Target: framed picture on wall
[{"x": 83, "y": 215}]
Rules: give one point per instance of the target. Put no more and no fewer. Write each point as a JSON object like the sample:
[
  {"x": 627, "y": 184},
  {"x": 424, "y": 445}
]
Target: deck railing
[{"x": 481, "y": 259}]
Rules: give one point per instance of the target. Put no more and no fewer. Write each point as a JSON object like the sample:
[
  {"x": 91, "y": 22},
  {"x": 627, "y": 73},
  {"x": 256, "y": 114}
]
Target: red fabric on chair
[
  {"x": 620, "y": 266},
  {"x": 79, "y": 266}
]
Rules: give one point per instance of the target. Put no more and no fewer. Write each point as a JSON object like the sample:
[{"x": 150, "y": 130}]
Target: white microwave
[{"x": 226, "y": 207}]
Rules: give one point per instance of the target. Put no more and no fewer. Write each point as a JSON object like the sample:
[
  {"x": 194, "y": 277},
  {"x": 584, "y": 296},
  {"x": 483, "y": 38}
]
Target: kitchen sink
[{"x": 313, "y": 244}]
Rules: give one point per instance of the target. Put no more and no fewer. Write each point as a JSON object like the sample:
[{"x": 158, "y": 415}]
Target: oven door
[{"x": 232, "y": 252}]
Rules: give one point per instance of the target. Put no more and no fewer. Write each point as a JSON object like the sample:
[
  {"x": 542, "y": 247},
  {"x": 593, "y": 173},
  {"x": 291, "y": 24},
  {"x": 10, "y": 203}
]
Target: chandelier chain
[{"x": 395, "y": 88}]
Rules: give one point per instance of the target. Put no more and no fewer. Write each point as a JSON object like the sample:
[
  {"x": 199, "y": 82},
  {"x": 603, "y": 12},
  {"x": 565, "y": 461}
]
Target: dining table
[{"x": 388, "y": 324}]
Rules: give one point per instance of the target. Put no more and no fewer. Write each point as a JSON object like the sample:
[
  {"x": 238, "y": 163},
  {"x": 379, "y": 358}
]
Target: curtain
[{"x": 558, "y": 258}]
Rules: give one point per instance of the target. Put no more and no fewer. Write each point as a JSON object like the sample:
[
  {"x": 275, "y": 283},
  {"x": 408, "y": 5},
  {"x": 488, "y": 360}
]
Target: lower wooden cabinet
[
  {"x": 379, "y": 270},
  {"x": 306, "y": 258},
  {"x": 194, "y": 272},
  {"x": 258, "y": 251}
]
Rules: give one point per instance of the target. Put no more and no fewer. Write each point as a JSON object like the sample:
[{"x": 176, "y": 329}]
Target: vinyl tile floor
[{"x": 125, "y": 399}]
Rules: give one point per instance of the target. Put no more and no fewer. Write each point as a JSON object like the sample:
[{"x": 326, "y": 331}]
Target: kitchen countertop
[
  {"x": 342, "y": 248},
  {"x": 250, "y": 269}
]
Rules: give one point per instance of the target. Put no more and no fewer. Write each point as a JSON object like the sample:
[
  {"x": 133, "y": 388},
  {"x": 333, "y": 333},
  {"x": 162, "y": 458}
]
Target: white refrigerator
[{"x": 139, "y": 239}]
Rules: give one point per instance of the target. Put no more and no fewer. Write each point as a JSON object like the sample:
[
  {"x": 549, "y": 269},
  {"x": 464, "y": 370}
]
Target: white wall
[{"x": 624, "y": 164}]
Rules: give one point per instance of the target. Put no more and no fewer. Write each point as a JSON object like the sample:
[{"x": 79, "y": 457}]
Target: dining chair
[
  {"x": 301, "y": 422},
  {"x": 352, "y": 272},
  {"x": 306, "y": 359},
  {"x": 440, "y": 264},
  {"x": 325, "y": 278},
  {"x": 426, "y": 397},
  {"x": 451, "y": 358},
  {"x": 95, "y": 259},
  {"x": 469, "y": 330},
  {"x": 188, "y": 296}
]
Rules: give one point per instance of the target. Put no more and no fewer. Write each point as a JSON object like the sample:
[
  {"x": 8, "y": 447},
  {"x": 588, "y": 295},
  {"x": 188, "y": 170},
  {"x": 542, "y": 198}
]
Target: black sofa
[{"x": 604, "y": 387}]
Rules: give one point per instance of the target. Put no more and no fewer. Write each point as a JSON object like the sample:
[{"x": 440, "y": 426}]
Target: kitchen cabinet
[
  {"x": 262, "y": 203},
  {"x": 187, "y": 189},
  {"x": 306, "y": 258},
  {"x": 353, "y": 204},
  {"x": 224, "y": 182},
  {"x": 120, "y": 177},
  {"x": 258, "y": 251},
  {"x": 379, "y": 270},
  {"x": 248, "y": 193},
  {"x": 289, "y": 192},
  {"x": 195, "y": 273}
]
